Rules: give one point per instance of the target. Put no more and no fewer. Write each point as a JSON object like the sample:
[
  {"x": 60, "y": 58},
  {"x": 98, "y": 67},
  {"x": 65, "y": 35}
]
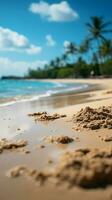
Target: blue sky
[{"x": 34, "y": 32}]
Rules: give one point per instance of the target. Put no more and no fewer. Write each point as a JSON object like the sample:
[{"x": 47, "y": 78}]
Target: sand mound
[
  {"x": 6, "y": 144},
  {"x": 34, "y": 174},
  {"x": 85, "y": 168},
  {"x": 44, "y": 116},
  {"x": 109, "y": 92},
  {"x": 107, "y": 138},
  {"x": 37, "y": 114},
  {"x": 93, "y": 119},
  {"x": 59, "y": 139}
]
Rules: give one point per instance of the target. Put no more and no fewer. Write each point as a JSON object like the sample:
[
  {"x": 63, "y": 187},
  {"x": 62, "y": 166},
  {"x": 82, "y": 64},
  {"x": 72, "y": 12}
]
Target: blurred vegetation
[{"x": 92, "y": 58}]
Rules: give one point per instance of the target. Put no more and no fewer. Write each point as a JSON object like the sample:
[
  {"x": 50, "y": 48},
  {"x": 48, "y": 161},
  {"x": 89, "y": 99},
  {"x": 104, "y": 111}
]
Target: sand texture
[{"x": 58, "y": 148}]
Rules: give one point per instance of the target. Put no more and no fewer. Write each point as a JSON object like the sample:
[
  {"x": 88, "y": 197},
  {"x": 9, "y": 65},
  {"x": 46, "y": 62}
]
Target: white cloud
[
  {"x": 13, "y": 41},
  {"x": 33, "y": 49},
  {"x": 50, "y": 41},
  {"x": 57, "y": 12},
  {"x": 66, "y": 43},
  {"x": 12, "y": 67}
]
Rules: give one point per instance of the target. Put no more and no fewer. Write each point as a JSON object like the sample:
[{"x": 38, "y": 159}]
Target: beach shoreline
[
  {"x": 86, "y": 86},
  {"x": 34, "y": 90}
]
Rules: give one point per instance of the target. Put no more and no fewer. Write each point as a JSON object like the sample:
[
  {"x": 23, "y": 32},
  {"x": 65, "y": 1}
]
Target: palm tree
[
  {"x": 94, "y": 64},
  {"x": 97, "y": 29},
  {"x": 64, "y": 58},
  {"x": 84, "y": 47},
  {"x": 71, "y": 49},
  {"x": 46, "y": 66},
  {"x": 57, "y": 62},
  {"x": 52, "y": 63},
  {"x": 94, "y": 59},
  {"x": 105, "y": 49}
]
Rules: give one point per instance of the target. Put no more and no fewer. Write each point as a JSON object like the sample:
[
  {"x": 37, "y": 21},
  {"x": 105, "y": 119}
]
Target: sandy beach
[{"x": 42, "y": 155}]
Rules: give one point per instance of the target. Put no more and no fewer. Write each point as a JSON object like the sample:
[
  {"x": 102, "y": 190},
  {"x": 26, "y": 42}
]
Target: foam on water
[{"x": 13, "y": 91}]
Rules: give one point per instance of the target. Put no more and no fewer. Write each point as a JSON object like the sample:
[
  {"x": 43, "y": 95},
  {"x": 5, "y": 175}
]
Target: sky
[{"x": 33, "y": 32}]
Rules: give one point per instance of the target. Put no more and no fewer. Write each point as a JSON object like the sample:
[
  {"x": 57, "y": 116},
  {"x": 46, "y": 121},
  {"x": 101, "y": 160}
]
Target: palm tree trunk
[{"x": 99, "y": 58}]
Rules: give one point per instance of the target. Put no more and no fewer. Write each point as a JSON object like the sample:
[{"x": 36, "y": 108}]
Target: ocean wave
[{"x": 59, "y": 89}]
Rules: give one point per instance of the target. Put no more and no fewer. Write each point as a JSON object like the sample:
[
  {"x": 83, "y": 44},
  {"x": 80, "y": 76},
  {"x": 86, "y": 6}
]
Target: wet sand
[{"x": 15, "y": 124}]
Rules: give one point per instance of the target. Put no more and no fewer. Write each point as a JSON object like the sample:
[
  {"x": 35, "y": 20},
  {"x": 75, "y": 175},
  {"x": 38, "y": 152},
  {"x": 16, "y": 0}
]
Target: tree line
[{"x": 92, "y": 58}]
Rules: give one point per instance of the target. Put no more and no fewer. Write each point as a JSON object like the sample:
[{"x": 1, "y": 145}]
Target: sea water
[{"x": 12, "y": 91}]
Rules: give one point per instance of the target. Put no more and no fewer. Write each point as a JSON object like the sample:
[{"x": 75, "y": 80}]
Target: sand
[
  {"x": 90, "y": 118},
  {"x": 59, "y": 139},
  {"x": 94, "y": 174},
  {"x": 44, "y": 116},
  {"x": 86, "y": 168}
]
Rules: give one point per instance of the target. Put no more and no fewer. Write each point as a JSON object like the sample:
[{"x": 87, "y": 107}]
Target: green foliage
[
  {"x": 72, "y": 64},
  {"x": 80, "y": 69},
  {"x": 105, "y": 49},
  {"x": 65, "y": 72},
  {"x": 107, "y": 68}
]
